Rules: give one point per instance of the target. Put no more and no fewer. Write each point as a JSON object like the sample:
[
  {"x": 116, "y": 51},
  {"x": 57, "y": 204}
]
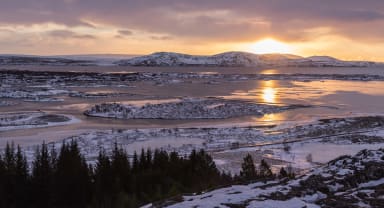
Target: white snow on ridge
[
  {"x": 227, "y": 59},
  {"x": 233, "y": 59}
]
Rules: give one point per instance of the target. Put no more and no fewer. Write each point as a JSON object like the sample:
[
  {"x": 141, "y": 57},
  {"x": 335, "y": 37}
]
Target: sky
[{"x": 346, "y": 29}]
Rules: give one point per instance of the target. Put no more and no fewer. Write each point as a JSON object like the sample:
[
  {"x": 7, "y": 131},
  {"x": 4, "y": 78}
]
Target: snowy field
[
  {"x": 349, "y": 181},
  {"x": 302, "y": 147},
  {"x": 191, "y": 108},
  {"x": 25, "y": 120}
]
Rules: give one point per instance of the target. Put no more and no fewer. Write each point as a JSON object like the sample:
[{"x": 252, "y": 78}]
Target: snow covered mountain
[
  {"x": 227, "y": 59},
  {"x": 233, "y": 59}
]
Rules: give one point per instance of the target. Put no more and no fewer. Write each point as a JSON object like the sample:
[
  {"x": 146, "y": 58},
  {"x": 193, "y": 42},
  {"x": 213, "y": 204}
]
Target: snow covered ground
[
  {"x": 37, "y": 94},
  {"x": 12, "y": 121},
  {"x": 187, "y": 108},
  {"x": 6, "y": 103},
  {"x": 228, "y": 145},
  {"x": 348, "y": 181}
]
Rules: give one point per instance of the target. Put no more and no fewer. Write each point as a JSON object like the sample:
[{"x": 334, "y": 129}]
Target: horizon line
[{"x": 136, "y": 55}]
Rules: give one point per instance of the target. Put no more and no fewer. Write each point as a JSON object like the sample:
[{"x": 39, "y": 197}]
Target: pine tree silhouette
[
  {"x": 248, "y": 169},
  {"x": 72, "y": 180},
  {"x": 283, "y": 173},
  {"x": 42, "y": 178},
  {"x": 64, "y": 179},
  {"x": 265, "y": 170},
  {"x": 21, "y": 179}
]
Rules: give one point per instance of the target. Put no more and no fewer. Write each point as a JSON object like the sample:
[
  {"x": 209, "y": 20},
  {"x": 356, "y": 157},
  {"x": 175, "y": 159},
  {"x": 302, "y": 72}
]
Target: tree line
[{"x": 64, "y": 179}]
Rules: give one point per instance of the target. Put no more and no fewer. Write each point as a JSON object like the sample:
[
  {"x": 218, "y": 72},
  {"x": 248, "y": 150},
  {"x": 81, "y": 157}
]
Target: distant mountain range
[{"x": 170, "y": 59}]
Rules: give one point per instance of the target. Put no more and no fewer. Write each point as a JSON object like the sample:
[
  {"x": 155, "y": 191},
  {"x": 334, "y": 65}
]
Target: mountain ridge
[
  {"x": 238, "y": 59},
  {"x": 173, "y": 59}
]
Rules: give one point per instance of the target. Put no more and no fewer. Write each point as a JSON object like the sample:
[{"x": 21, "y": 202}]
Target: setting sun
[{"x": 270, "y": 46}]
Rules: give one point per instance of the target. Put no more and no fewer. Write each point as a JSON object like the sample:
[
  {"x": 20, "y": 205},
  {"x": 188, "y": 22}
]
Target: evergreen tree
[
  {"x": 226, "y": 178},
  {"x": 120, "y": 163},
  {"x": 21, "y": 165},
  {"x": 2, "y": 182},
  {"x": 175, "y": 164},
  {"x": 248, "y": 170},
  {"x": 135, "y": 162},
  {"x": 42, "y": 178},
  {"x": 103, "y": 180},
  {"x": 53, "y": 157},
  {"x": 290, "y": 172},
  {"x": 265, "y": 170},
  {"x": 283, "y": 173},
  {"x": 148, "y": 158},
  {"x": 201, "y": 171},
  {"x": 143, "y": 160},
  {"x": 72, "y": 177},
  {"x": 65, "y": 180},
  {"x": 13, "y": 178},
  {"x": 121, "y": 174},
  {"x": 10, "y": 158},
  {"x": 9, "y": 178},
  {"x": 211, "y": 172},
  {"x": 21, "y": 179}
]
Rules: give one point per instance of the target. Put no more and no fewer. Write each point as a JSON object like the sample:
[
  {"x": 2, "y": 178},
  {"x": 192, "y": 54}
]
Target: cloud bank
[{"x": 198, "y": 21}]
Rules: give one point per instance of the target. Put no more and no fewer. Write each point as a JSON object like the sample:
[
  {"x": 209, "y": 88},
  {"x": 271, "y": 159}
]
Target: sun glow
[
  {"x": 269, "y": 95},
  {"x": 269, "y": 92},
  {"x": 270, "y": 46}
]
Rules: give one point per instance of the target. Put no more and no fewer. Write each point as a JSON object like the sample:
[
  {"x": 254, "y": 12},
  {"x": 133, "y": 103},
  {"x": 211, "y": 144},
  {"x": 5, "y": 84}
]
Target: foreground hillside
[{"x": 348, "y": 181}]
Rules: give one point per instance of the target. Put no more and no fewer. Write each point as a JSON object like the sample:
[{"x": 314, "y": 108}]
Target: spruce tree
[
  {"x": 201, "y": 172},
  {"x": 148, "y": 158},
  {"x": 248, "y": 170},
  {"x": 21, "y": 164},
  {"x": 121, "y": 172},
  {"x": 10, "y": 158},
  {"x": 2, "y": 181},
  {"x": 265, "y": 170},
  {"x": 9, "y": 182},
  {"x": 42, "y": 178},
  {"x": 72, "y": 177},
  {"x": 21, "y": 177},
  {"x": 135, "y": 162},
  {"x": 283, "y": 173},
  {"x": 103, "y": 181},
  {"x": 143, "y": 160},
  {"x": 65, "y": 180}
]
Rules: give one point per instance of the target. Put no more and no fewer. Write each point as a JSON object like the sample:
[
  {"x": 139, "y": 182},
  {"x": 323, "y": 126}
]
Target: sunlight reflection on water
[
  {"x": 269, "y": 92},
  {"x": 269, "y": 95}
]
